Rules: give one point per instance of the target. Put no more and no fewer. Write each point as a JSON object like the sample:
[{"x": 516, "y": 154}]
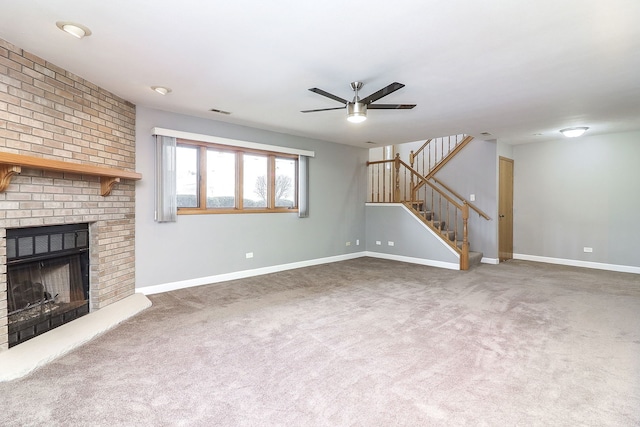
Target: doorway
[{"x": 505, "y": 209}]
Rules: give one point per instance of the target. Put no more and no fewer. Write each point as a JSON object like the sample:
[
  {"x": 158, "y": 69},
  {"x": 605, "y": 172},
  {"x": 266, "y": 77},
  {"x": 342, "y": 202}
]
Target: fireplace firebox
[{"x": 47, "y": 278}]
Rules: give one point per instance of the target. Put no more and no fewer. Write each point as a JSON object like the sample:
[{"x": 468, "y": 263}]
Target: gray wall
[
  {"x": 198, "y": 246},
  {"x": 411, "y": 238},
  {"x": 572, "y": 193}
]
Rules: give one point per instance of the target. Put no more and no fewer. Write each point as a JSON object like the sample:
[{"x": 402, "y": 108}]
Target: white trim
[
  {"x": 172, "y": 286},
  {"x": 426, "y": 227},
  {"x": 230, "y": 142},
  {"x": 486, "y": 260},
  {"x": 577, "y": 263},
  {"x": 412, "y": 260},
  {"x": 18, "y": 361}
]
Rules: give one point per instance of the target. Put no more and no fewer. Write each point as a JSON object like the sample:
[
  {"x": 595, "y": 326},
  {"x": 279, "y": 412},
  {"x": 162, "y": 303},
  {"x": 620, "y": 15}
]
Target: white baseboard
[
  {"x": 486, "y": 260},
  {"x": 182, "y": 284},
  {"x": 20, "y": 360},
  {"x": 172, "y": 286},
  {"x": 577, "y": 263},
  {"x": 421, "y": 261}
]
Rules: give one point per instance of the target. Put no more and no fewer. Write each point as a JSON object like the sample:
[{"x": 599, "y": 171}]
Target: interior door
[{"x": 505, "y": 210}]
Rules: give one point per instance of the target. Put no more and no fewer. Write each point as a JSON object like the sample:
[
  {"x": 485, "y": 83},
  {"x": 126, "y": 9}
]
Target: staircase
[
  {"x": 430, "y": 200},
  {"x": 419, "y": 208}
]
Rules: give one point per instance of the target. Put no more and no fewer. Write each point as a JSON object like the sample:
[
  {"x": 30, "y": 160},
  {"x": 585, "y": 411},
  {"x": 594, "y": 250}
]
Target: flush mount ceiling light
[
  {"x": 76, "y": 30},
  {"x": 161, "y": 89},
  {"x": 573, "y": 132}
]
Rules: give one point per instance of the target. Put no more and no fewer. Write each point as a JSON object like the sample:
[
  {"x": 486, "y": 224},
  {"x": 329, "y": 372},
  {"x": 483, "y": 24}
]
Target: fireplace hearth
[{"x": 47, "y": 278}]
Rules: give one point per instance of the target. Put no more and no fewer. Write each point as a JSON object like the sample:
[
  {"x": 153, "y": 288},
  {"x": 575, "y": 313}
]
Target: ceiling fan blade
[
  {"x": 390, "y": 106},
  {"x": 322, "y": 109},
  {"x": 382, "y": 92},
  {"x": 328, "y": 95}
]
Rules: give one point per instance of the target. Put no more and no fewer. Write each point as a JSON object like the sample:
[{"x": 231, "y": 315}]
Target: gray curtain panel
[
  {"x": 303, "y": 186},
  {"x": 166, "y": 209}
]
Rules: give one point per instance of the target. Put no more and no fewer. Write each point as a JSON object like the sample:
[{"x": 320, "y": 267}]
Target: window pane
[
  {"x": 285, "y": 182},
  {"x": 221, "y": 179},
  {"x": 256, "y": 184},
  {"x": 187, "y": 176}
]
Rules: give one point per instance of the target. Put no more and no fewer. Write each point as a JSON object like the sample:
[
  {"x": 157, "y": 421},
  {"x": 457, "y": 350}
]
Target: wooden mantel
[{"x": 11, "y": 164}]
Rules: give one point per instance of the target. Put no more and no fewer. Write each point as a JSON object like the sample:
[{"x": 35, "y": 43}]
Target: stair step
[
  {"x": 475, "y": 258},
  {"x": 440, "y": 225},
  {"x": 449, "y": 234},
  {"x": 427, "y": 214}
]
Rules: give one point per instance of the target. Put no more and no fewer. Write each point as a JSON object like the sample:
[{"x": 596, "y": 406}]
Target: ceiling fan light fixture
[
  {"x": 356, "y": 112},
  {"x": 573, "y": 132}
]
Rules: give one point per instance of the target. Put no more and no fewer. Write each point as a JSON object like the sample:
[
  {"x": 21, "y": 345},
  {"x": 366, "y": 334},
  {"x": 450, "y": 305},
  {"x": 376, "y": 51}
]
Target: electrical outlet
[
  {"x": 249, "y": 255},
  {"x": 586, "y": 249},
  {"x": 348, "y": 243},
  {"x": 378, "y": 242},
  {"x": 357, "y": 242},
  {"x": 472, "y": 197},
  {"x": 390, "y": 243}
]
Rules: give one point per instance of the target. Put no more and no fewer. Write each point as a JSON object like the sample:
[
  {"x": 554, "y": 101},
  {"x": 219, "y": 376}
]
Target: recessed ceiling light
[
  {"x": 76, "y": 30},
  {"x": 573, "y": 132},
  {"x": 161, "y": 89}
]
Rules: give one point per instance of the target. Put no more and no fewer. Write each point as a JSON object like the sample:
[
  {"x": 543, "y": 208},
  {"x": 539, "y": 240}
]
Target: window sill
[{"x": 193, "y": 211}]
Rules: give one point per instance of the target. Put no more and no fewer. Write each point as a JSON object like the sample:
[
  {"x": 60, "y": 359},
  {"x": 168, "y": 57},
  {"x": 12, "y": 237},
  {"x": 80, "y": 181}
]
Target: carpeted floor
[{"x": 365, "y": 342}]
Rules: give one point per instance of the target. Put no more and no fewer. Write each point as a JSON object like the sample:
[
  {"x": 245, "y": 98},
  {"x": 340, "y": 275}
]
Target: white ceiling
[{"x": 513, "y": 68}]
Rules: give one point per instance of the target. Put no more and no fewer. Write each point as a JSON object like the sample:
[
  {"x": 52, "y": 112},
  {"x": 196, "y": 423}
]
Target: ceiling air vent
[
  {"x": 486, "y": 133},
  {"x": 215, "y": 110}
]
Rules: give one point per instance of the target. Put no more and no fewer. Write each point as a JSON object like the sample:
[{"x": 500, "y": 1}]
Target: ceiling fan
[{"x": 357, "y": 109}]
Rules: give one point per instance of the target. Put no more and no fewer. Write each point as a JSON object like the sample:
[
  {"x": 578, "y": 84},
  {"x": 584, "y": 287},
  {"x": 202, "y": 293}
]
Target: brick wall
[{"x": 48, "y": 112}]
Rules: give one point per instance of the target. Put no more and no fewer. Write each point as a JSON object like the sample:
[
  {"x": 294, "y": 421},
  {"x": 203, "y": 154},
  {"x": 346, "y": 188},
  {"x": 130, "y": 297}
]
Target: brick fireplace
[{"x": 47, "y": 112}]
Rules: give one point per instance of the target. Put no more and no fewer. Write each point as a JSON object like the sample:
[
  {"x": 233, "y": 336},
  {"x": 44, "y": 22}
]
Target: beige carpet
[{"x": 366, "y": 342}]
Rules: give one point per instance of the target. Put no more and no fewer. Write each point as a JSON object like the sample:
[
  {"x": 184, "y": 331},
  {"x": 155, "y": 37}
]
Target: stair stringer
[{"x": 413, "y": 240}]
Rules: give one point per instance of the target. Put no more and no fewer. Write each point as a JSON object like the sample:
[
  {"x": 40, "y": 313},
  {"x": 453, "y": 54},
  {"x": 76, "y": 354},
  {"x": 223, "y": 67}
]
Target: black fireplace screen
[{"x": 47, "y": 278}]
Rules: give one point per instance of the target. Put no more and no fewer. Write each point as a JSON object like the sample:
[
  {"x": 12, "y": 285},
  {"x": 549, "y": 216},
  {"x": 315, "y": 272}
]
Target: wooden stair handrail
[
  {"x": 413, "y": 154},
  {"x": 375, "y": 162},
  {"x": 12, "y": 164},
  {"x": 471, "y": 205},
  {"x": 424, "y": 181},
  {"x": 467, "y": 139}
]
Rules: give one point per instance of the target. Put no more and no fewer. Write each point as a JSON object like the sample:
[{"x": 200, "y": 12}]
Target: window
[
  {"x": 255, "y": 183},
  {"x": 214, "y": 178},
  {"x": 221, "y": 179},
  {"x": 285, "y": 182},
  {"x": 388, "y": 155},
  {"x": 187, "y": 176}
]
